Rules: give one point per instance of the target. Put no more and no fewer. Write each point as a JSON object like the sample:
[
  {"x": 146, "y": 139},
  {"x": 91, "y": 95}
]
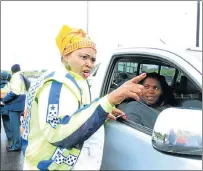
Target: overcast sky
[{"x": 29, "y": 29}]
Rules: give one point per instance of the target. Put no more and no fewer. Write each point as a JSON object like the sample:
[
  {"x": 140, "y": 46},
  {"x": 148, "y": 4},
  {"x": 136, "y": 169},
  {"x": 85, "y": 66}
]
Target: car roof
[{"x": 188, "y": 54}]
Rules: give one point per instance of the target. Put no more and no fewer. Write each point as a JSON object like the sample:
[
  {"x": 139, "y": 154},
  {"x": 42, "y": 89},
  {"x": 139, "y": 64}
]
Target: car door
[
  {"x": 127, "y": 144},
  {"x": 128, "y": 148}
]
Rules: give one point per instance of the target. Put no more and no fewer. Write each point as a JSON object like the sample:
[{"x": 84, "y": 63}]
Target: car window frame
[{"x": 109, "y": 78}]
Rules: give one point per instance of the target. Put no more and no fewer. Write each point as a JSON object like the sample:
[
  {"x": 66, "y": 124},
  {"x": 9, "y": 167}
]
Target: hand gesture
[{"x": 128, "y": 89}]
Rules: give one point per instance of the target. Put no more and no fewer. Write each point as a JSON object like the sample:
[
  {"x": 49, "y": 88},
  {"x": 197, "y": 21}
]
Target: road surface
[{"x": 9, "y": 160}]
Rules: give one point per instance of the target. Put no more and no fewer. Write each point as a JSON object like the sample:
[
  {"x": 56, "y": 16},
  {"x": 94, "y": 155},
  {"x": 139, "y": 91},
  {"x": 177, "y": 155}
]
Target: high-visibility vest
[
  {"x": 15, "y": 99},
  {"x": 52, "y": 126},
  {"x": 17, "y": 84}
]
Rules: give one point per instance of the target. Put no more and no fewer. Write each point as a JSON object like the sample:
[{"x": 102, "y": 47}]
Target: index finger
[
  {"x": 138, "y": 78},
  {"x": 117, "y": 112}
]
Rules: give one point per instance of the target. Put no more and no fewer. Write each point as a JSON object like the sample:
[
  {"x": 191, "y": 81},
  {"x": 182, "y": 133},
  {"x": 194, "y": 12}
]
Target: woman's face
[
  {"x": 81, "y": 61},
  {"x": 152, "y": 90}
]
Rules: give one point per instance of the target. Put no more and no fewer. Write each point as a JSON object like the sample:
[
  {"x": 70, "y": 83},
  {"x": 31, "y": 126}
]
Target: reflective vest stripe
[
  {"x": 73, "y": 80},
  {"x": 30, "y": 97},
  {"x": 53, "y": 104},
  {"x": 58, "y": 157}
]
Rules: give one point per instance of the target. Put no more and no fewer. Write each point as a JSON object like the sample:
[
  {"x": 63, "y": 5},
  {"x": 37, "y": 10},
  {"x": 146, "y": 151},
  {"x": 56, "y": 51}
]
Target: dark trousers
[
  {"x": 6, "y": 123},
  {"x": 15, "y": 128}
]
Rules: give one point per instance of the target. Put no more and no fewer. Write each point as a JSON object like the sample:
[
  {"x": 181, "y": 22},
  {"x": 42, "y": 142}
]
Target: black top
[{"x": 143, "y": 114}]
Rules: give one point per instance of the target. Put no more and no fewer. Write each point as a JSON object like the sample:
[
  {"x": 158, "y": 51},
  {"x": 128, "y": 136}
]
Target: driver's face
[{"x": 152, "y": 90}]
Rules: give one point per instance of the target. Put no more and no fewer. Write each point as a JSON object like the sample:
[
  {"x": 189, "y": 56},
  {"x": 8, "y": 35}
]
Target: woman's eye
[
  {"x": 146, "y": 87},
  {"x": 83, "y": 57},
  {"x": 157, "y": 88},
  {"x": 93, "y": 60}
]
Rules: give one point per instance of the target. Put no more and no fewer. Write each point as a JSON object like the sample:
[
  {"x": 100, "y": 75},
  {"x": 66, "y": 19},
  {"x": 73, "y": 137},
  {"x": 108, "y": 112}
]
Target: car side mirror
[{"x": 178, "y": 131}]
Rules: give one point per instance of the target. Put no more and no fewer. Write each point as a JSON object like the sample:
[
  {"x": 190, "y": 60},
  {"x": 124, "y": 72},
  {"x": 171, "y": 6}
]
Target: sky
[{"x": 29, "y": 29}]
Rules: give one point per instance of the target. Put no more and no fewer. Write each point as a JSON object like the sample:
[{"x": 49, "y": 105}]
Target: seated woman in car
[{"x": 156, "y": 96}]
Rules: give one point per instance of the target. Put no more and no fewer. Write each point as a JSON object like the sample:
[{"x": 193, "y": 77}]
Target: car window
[
  {"x": 184, "y": 92},
  {"x": 121, "y": 66},
  {"x": 129, "y": 67},
  {"x": 149, "y": 68},
  {"x": 168, "y": 72},
  {"x": 94, "y": 70},
  {"x": 179, "y": 77},
  {"x": 123, "y": 71}
]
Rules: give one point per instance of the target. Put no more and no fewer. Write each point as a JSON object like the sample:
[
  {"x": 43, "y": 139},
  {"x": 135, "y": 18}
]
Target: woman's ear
[{"x": 64, "y": 58}]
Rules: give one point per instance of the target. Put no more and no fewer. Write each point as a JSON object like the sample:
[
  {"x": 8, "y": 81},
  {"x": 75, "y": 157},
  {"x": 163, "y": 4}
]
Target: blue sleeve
[
  {"x": 68, "y": 130},
  {"x": 89, "y": 127},
  {"x": 9, "y": 97}
]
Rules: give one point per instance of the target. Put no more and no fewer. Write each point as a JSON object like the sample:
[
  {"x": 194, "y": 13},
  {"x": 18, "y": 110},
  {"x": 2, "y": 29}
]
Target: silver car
[
  {"x": 93, "y": 74},
  {"x": 131, "y": 146}
]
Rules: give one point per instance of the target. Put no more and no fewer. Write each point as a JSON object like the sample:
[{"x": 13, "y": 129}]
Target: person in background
[
  {"x": 14, "y": 102},
  {"x": 63, "y": 127},
  {"x": 9, "y": 77},
  {"x": 5, "y": 88},
  {"x": 156, "y": 97}
]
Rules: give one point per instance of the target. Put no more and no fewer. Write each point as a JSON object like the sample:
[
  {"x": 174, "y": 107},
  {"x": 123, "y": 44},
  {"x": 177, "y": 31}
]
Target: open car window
[{"x": 185, "y": 92}]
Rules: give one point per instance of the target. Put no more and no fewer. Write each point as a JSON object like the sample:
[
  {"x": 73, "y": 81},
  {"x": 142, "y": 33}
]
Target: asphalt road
[{"x": 9, "y": 160}]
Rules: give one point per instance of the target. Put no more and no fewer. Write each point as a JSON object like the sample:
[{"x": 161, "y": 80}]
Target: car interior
[{"x": 186, "y": 94}]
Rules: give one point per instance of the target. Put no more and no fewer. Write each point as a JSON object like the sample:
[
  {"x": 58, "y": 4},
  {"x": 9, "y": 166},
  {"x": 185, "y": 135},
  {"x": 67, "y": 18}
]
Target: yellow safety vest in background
[{"x": 17, "y": 84}]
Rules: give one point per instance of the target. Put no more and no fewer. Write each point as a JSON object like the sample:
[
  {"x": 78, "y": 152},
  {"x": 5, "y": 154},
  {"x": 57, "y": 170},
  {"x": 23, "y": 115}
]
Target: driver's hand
[{"x": 130, "y": 89}]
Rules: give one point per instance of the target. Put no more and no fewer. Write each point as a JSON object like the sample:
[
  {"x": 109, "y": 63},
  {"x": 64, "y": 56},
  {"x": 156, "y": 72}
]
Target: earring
[{"x": 67, "y": 65}]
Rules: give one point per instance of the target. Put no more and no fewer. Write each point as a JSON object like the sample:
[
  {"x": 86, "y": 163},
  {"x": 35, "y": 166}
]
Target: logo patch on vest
[
  {"x": 52, "y": 115},
  {"x": 59, "y": 158}
]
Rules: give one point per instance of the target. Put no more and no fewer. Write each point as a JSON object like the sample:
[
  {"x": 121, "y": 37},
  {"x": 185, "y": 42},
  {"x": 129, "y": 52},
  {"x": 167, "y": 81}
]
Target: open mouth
[
  {"x": 86, "y": 73},
  {"x": 150, "y": 98}
]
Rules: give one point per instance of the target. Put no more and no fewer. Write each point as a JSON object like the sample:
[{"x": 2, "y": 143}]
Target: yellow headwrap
[{"x": 71, "y": 39}]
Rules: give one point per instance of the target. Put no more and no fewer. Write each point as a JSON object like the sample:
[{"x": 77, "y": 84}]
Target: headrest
[{"x": 187, "y": 86}]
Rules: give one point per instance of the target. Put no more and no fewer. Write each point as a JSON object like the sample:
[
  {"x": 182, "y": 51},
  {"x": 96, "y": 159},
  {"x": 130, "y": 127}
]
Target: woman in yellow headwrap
[{"x": 63, "y": 127}]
